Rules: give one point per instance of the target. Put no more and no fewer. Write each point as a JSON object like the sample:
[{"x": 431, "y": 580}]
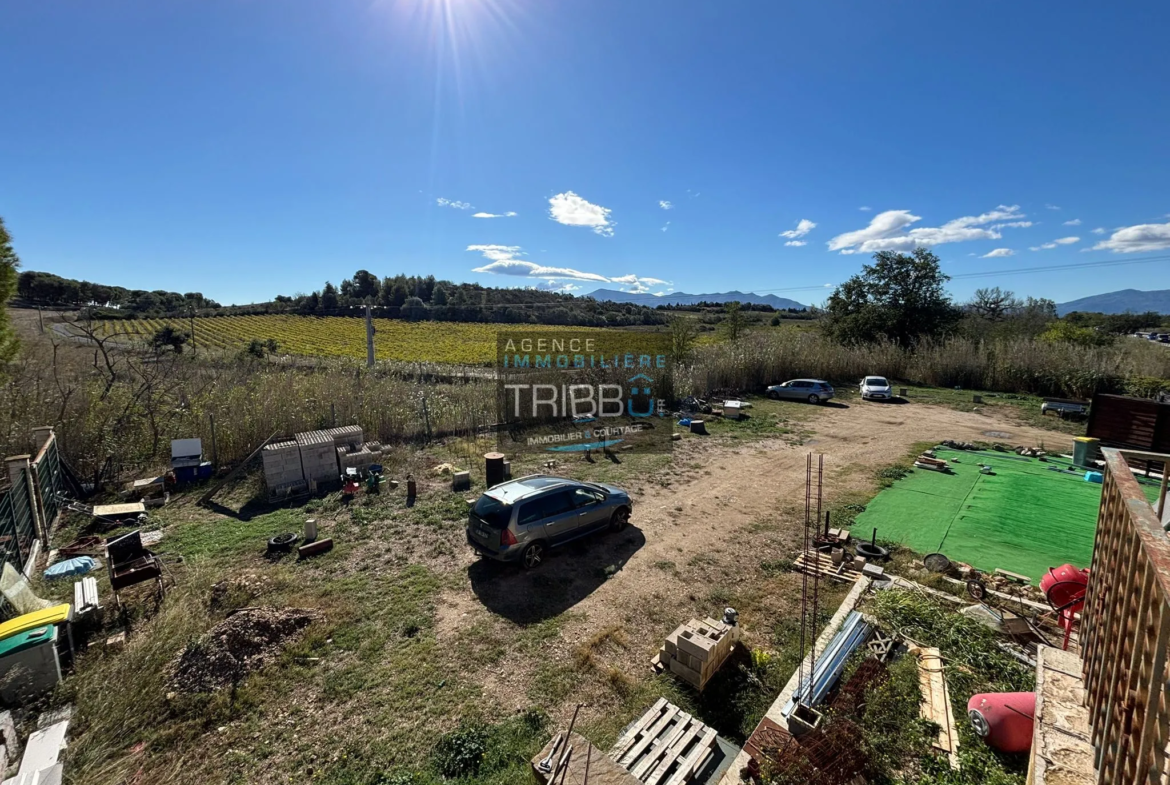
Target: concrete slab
[
  {"x": 44, "y": 748},
  {"x": 602, "y": 770},
  {"x": 1062, "y": 753}
]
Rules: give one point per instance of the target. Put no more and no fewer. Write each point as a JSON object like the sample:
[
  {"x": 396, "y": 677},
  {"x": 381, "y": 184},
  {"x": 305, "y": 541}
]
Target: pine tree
[{"x": 9, "y": 262}]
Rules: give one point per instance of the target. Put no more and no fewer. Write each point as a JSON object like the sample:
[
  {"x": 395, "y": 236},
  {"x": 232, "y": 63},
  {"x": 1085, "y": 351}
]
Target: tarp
[{"x": 1024, "y": 517}]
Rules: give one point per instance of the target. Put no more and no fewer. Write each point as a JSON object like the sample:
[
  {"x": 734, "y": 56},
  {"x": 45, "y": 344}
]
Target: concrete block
[
  {"x": 9, "y": 736},
  {"x": 695, "y": 643},
  {"x": 672, "y": 643},
  {"x": 460, "y": 481},
  {"x": 689, "y": 675}
]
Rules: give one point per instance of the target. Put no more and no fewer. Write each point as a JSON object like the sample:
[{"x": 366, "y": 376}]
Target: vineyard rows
[{"x": 463, "y": 343}]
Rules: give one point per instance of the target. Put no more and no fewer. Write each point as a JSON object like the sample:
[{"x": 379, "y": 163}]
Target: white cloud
[
  {"x": 887, "y": 231},
  {"x": 1142, "y": 237},
  {"x": 571, "y": 210},
  {"x": 1052, "y": 206},
  {"x": 553, "y": 285},
  {"x": 864, "y": 208},
  {"x": 998, "y": 252},
  {"x": 508, "y": 214},
  {"x": 1055, "y": 243},
  {"x": 796, "y": 243},
  {"x": 803, "y": 227},
  {"x": 1073, "y": 222},
  {"x": 503, "y": 261},
  {"x": 1012, "y": 225},
  {"x": 1099, "y": 230},
  {"x": 665, "y": 205},
  {"x": 458, "y": 205},
  {"x": 666, "y": 226}
]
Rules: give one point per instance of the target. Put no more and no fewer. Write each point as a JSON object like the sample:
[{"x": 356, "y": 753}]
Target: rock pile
[{"x": 240, "y": 644}]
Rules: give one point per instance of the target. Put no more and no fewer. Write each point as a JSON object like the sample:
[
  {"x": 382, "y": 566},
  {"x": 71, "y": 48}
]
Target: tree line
[
  {"x": 901, "y": 299},
  {"x": 37, "y": 288}
]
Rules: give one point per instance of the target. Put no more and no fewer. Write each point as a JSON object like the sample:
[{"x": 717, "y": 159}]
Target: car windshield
[
  {"x": 493, "y": 512},
  {"x": 876, "y": 381}
]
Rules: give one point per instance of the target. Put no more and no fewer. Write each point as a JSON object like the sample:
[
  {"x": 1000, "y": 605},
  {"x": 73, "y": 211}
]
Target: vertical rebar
[
  {"x": 816, "y": 576},
  {"x": 804, "y": 573}
]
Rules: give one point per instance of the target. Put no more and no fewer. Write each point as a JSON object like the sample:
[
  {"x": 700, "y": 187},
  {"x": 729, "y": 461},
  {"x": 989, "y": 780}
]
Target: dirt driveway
[{"x": 698, "y": 537}]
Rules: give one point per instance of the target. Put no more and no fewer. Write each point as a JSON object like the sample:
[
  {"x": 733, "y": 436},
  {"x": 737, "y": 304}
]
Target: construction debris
[
  {"x": 936, "y": 704},
  {"x": 237, "y": 646},
  {"x": 696, "y": 650},
  {"x": 602, "y": 770},
  {"x": 834, "y": 566},
  {"x": 665, "y": 746}
]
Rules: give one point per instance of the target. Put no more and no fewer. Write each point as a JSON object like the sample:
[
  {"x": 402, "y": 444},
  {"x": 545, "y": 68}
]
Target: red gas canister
[{"x": 1003, "y": 719}]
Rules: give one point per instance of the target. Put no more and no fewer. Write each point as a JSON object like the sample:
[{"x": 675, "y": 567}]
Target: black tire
[
  {"x": 620, "y": 519},
  {"x": 814, "y": 399},
  {"x": 775, "y": 396},
  {"x": 282, "y": 543},
  {"x": 533, "y": 556},
  {"x": 872, "y": 551}
]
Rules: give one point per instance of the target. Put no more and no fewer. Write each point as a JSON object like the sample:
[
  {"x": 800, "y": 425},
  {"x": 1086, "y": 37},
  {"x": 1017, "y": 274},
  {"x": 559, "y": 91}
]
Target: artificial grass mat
[{"x": 1024, "y": 518}]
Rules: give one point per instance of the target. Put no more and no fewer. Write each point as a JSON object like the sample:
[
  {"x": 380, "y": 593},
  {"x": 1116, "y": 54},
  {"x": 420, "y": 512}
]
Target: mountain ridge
[
  {"x": 1121, "y": 301},
  {"x": 683, "y": 298}
]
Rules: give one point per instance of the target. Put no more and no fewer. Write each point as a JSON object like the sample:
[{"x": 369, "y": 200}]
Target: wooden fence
[{"x": 1126, "y": 631}]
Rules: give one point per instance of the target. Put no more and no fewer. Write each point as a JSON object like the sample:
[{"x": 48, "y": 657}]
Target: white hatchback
[{"x": 876, "y": 388}]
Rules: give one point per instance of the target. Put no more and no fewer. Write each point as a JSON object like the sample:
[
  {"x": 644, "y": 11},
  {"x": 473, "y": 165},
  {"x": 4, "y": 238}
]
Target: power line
[{"x": 1057, "y": 267}]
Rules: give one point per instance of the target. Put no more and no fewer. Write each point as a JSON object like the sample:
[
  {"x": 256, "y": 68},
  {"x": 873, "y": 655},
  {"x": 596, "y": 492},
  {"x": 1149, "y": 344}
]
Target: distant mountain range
[
  {"x": 1124, "y": 301},
  {"x": 682, "y": 298}
]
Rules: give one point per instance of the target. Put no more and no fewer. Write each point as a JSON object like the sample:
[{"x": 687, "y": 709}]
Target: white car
[{"x": 876, "y": 388}]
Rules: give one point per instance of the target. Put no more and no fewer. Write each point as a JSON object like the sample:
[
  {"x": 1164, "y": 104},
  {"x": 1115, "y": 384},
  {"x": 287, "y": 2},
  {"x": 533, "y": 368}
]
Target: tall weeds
[
  {"x": 116, "y": 413},
  {"x": 1016, "y": 366}
]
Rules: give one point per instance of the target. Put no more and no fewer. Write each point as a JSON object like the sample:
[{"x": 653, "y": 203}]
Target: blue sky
[{"x": 246, "y": 149}]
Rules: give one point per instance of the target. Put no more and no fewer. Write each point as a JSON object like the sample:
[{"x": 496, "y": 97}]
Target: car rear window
[{"x": 493, "y": 512}]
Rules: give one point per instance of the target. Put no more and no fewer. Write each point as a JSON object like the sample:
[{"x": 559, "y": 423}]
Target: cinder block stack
[
  {"x": 282, "y": 466},
  {"x": 346, "y": 435},
  {"x": 356, "y": 457},
  {"x": 318, "y": 457},
  {"x": 697, "y": 649}
]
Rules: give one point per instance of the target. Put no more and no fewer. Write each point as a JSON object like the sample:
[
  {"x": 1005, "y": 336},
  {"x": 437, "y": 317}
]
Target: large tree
[
  {"x": 9, "y": 262},
  {"x": 900, "y": 297}
]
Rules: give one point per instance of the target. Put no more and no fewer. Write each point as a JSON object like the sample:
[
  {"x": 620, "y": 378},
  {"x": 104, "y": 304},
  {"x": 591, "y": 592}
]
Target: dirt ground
[
  {"x": 720, "y": 513},
  {"x": 416, "y": 634}
]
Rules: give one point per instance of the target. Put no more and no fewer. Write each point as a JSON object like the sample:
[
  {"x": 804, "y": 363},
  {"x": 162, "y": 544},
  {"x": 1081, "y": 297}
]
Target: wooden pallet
[
  {"x": 666, "y": 746},
  {"x": 819, "y": 564}
]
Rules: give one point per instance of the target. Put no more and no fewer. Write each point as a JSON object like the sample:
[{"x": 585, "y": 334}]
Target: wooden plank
[
  {"x": 630, "y": 736},
  {"x": 936, "y": 704}
]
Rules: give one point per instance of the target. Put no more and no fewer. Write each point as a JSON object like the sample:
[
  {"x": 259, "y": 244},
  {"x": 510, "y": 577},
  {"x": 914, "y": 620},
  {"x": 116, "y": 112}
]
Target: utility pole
[
  {"x": 369, "y": 337},
  {"x": 191, "y": 315},
  {"x": 41, "y": 319}
]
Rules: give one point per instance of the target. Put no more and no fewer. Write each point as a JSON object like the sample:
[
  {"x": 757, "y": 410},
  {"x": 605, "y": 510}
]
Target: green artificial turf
[{"x": 1024, "y": 518}]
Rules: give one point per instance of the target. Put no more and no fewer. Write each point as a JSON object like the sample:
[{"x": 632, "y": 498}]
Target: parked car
[
  {"x": 876, "y": 388},
  {"x": 1065, "y": 407},
  {"x": 811, "y": 390},
  {"x": 522, "y": 519}
]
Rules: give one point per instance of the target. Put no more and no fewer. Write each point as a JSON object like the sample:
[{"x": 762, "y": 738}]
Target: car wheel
[
  {"x": 620, "y": 519},
  {"x": 775, "y": 396},
  {"x": 533, "y": 556},
  {"x": 814, "y": 399}
]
